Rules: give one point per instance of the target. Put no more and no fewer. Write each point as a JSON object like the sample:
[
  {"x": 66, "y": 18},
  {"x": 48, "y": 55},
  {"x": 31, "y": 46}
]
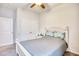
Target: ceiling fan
[{"x": 42, "y": 5}]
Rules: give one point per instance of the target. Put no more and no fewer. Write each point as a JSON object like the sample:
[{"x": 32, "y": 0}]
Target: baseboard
[
  {"x": 73, "y": 51},
  {"x": 8, "y": 44},
  {"x": 6, "y": 47}
]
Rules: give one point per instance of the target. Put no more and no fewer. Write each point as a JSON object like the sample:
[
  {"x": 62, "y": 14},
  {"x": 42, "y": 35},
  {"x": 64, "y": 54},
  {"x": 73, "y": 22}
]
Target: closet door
[{"x": 6, "y": 31}]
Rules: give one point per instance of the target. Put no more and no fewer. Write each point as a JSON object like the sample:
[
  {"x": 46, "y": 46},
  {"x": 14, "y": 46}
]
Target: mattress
[{"x": 45, "y": 46}]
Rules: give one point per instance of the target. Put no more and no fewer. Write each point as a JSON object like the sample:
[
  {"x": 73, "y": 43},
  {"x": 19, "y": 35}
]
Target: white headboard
[
  {"x": 55, "y": 29},
  {"x": 60, "y": 29}
]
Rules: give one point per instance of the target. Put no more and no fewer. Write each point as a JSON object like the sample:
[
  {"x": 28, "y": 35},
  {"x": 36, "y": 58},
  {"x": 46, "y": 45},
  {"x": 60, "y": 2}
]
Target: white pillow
[
  {"x": 50, "y": 33},
  {"x": 59, "y": 35}
]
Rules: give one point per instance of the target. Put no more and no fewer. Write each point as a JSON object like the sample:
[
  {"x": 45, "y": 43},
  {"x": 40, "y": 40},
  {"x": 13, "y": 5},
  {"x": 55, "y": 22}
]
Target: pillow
[
  {"x": 50, "y": 33},
  {"x": 59, "y": 35}
]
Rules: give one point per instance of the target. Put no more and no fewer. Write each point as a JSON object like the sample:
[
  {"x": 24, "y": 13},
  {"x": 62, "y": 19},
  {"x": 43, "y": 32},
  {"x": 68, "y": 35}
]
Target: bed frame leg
[{"x": 17, "y": 54}]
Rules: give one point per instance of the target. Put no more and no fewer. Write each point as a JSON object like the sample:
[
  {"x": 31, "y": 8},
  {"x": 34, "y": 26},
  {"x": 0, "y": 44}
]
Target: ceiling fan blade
[
  {"x": 32, "y": 5},
  {"x": 42, "y": 5}
]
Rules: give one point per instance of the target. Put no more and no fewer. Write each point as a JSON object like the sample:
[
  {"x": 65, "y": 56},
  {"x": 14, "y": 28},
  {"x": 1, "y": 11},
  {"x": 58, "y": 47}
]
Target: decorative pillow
[
  {"x": 50, "y": 33},
  {"x": 59, "y": 34}
]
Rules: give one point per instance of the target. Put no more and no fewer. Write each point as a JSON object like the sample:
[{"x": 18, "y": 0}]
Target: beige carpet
[{"x": 8, "y": 50}]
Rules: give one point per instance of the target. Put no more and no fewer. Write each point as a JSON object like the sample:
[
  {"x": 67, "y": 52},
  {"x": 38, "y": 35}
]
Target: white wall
[
  {"x": 27, "y": 23},
  {"x": 61, "y": 16},
  {"x": 5, "y": 12}
]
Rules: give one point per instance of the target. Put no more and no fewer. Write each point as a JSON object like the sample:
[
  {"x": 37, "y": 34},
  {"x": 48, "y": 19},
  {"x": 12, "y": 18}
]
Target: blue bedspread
[{"x": 45, "y": 46}]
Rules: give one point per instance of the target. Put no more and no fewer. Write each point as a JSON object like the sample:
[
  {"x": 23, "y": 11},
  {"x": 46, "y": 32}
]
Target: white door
[{"x": 6, "y": 31}]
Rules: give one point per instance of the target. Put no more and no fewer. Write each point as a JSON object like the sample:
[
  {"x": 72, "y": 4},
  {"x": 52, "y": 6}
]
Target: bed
[{"x": 49, "y": 45}]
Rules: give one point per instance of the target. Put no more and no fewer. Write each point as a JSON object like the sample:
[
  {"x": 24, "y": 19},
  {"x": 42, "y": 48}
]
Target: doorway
[{"x": 6, "y": 31}]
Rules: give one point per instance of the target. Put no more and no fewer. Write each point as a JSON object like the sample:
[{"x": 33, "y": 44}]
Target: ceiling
[{"x": 27, "y": 5}]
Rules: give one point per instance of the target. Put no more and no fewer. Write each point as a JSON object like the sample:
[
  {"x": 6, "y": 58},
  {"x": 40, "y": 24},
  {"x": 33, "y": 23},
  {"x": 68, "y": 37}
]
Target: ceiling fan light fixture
[
  {"x": 38, "y": 4},
  {"x": 32, "y": 5},
  {"x": 43, "y": 6}
]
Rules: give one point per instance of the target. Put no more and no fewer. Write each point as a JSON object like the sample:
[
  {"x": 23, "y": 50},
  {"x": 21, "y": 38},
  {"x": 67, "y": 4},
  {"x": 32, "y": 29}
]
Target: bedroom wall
[
  {"x": 61, "y": 16},
  {"x": 27, "y": 24},
  {"x": 7, "y": 12}
]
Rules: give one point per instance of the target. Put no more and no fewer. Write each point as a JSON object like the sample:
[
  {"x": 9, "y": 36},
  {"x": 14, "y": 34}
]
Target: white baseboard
[
  {"x": 75, "y": 52},
  {"x": 6, "y": 44}
]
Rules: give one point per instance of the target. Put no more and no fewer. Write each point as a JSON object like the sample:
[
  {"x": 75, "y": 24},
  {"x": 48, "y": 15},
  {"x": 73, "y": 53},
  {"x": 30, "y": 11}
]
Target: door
[{"x": 6, "y": 31}]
